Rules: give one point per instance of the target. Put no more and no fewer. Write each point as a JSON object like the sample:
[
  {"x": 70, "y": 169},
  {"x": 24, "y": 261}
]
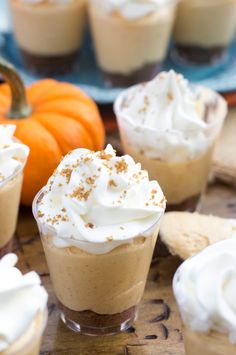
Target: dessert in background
[
  {"x": 13, "y": 156},
  {"x": 205, "y": 291},
  {"x": 131, "y": 37},
  {"x": 49, "y": 33},
  {"x": 170, "y": 127},
  {"x": 204, "y": 29},
  {"x": 23, "y": 309},
  {"x": 99, "y": 218},
  {"x": 186, "y": 234}
]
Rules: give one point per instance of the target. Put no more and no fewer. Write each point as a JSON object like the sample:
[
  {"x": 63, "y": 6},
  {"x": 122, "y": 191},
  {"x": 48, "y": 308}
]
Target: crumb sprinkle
[
  {"x": 121, "y": 166},
  {"x": 81, "y": 194},
  {"x": 112, "y": 183},
  {"x": 66, "y": 173},
  {"x": 89, "y": 225}
]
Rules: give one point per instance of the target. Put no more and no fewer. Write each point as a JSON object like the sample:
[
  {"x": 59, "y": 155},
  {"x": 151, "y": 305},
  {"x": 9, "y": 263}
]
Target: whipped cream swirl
[
  {"x": 169, "y": 119},
  {"x": 100, "y": 199},
  {"x": 13, "y": 154},
  {"x": 131, "y": 9},
  {"x": 205, "y": 289},
  {"x": 21, "y": 298}
]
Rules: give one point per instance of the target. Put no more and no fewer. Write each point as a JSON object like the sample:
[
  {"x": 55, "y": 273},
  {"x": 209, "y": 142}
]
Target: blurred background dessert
[
  {"x": 204, "y": 29},
  {"x": 131, "y": 38},
  {"x": 171, "y": 128},
  {"x": 49, "y": 33}
]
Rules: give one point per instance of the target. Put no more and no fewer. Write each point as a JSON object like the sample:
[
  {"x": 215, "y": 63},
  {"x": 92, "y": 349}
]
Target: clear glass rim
[
  {"x": 86, "y": 242},
  {"x": 117, "y": 106}
]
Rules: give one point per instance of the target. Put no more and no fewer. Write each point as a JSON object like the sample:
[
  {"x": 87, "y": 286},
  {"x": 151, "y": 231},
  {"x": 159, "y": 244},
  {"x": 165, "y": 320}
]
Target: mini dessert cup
[
  {"x": 30, "y": 342},
  {"x": 130, "y": 51},
  {"x": 98, "y": 294},
  {"x": 212, "y": 343},
  {"x": 10, "y": 192},
  {"x": 204, "y": 289},
  {"x": 204, "y": 30},
  {"x": 182, "y": 182},
  {"x": 49, "y": 33}
]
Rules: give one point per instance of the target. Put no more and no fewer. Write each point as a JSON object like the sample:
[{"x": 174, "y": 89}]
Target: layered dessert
[
  {"x": 13, "y": 156},
  {"x": 23, "y": 309},
  {"x": 49, "y": 33},
  {"x": 205, "y": 291},
  {"x": 170, "y": 127},
  {"x": 131, "y": 38},
  {"x": 99, "y": 217},
  {"x": 204, "y": 29}
]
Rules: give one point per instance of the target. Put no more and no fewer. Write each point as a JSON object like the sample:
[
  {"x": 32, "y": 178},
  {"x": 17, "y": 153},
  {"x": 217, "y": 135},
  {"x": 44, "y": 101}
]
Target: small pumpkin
[{"x": 52, "y": 118}]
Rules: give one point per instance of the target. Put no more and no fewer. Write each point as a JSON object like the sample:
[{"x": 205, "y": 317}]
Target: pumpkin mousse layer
[
  {"x": 13, "y": 156},
  {"x": 99, "y": 218},
  {"x": 49, "y": 33},
  {"x": 170, "y": 127}
]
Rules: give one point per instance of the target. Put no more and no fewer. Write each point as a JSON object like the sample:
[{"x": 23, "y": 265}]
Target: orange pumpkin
[{"x": 52, "y": 118}]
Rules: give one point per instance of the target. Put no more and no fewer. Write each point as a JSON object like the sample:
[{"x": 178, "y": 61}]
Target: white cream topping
[
  {"x": 21, "y": 298},
  {"x": 205, "y": 289},
  {"x": 99, "y": 200},
  {"x": 13, "y": 154},
  {"x": 131, "y": 9},
  {"x": 165, "y": 117}
]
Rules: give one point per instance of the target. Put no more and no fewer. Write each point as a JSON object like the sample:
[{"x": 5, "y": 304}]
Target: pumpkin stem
[{"x": 19, "y": 105}]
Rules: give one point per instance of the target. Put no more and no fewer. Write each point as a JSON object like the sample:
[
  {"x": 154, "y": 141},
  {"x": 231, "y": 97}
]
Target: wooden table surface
[{"x": 158, "y": 330}]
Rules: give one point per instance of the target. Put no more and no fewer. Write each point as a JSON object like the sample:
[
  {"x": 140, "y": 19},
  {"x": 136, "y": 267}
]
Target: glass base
[
  {"x": 188, "y": 205},
  {"x": 55, "y": 65},
  {"x": 146, "y": 73},
  {"x": 93, "y": 324},
  {"x": 191, "y": 55}
]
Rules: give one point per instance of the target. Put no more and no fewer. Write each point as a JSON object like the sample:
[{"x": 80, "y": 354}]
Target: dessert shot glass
[
  {"x": 204, "y": 30},
  {"x": 183, "y": 182},
  {"x": 130, "y": 50},
  {"x": 98, "y": 293},
  {"x": 49, "y": 33},
  {"x": 10, "y": 192},
  {"x": 204, "y": 290}
]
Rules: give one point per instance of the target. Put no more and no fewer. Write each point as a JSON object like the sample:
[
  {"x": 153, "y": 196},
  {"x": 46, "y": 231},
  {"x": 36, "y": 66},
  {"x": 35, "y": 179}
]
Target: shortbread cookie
[{"x": 185, "y": 234}]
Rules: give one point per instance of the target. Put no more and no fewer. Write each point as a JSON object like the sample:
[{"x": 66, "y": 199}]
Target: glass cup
[
  {"x": 182, "y": 182},
  {"x": 130, "y": 51},
  {"x": 98, "y": 294},
  {"x": 30, "y": 342},
  {"x": 10, "y": 192},
  {"x": 211, "y": 343},
  {"x": 204, "y": 30},
  {"x": 49, "y": 33}
]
